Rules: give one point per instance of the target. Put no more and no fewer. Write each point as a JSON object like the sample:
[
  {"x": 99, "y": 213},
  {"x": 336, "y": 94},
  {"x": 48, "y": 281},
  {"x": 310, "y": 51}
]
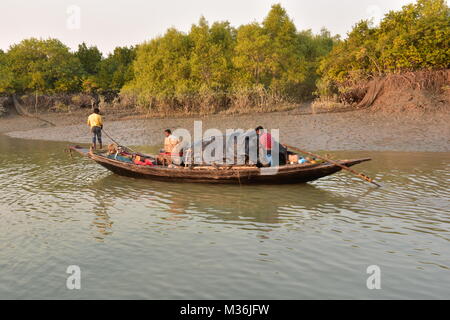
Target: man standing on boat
[{"x": 95, "y": 121}]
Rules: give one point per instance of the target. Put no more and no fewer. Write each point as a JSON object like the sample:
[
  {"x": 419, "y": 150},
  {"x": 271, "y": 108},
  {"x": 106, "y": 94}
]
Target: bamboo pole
[{"x": 358, "y": 174}]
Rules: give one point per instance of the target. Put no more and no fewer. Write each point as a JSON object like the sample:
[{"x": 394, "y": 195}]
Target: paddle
[{"x": 358, "y": 174}]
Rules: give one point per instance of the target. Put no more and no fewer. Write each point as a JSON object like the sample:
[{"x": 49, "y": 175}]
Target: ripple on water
[{"x": 146, "y": 239}]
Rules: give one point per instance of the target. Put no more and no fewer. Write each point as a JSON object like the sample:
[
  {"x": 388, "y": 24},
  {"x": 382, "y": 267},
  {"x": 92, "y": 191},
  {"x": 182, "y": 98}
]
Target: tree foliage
[
  {"x": 5, "y": 73},
  {"x": 48, "y": 67},
  {"x": 416, "y": 37},
  {"x": 216, "y": 64},
  {"x": 90, "y": 58},
  {"x": 162, "y": 66},
  {"x": 219, "y": 60},
  {"x": 116, "y": 69},
  {"x": 45, "y": 66}
]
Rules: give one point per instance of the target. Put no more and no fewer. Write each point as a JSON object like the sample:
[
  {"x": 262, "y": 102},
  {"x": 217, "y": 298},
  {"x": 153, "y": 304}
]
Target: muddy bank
[{"x": 358, "y": 130}]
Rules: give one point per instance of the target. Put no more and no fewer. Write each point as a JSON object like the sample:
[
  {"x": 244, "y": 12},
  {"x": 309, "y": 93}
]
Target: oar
[{"x": 358, "y": 174}]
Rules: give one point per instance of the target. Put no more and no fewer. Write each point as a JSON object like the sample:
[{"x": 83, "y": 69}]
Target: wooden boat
[{"x": 286, "y": 174}]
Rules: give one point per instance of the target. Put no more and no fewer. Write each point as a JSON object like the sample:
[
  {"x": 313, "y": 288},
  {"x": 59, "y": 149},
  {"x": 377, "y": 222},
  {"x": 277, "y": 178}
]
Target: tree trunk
[{"x": 36, "y": 103}]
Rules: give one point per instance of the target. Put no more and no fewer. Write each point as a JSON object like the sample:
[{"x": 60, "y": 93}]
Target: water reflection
[
  {"x": 261, "y": 205},
  {"x": 53, "y": 206},
  {"x": 416, "y": 199},
  {"x": 102, "y": 221}
]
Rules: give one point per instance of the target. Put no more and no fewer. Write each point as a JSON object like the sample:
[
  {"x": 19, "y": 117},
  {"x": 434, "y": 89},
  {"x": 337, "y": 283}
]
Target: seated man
[
  {"x": 265, "y": 142},
  {"x": 170, "y": 142}
]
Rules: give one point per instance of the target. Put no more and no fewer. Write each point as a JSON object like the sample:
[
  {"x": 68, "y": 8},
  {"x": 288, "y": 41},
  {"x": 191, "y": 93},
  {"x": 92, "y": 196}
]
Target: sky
[{"x": 111, "y": 23}]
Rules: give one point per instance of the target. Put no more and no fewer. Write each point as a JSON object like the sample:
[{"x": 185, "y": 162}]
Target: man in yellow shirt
[{"x": 95, "y": 121}]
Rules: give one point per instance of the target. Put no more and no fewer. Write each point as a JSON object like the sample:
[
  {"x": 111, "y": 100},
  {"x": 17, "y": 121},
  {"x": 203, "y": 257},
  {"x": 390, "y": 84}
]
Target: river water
[{"x": 151, "y": 240}]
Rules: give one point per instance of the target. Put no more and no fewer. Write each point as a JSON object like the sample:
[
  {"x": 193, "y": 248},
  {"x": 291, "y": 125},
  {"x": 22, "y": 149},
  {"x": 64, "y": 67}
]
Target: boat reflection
[
  {"x": 102, "y": 221},
  {"x": 250, "y": 207}
]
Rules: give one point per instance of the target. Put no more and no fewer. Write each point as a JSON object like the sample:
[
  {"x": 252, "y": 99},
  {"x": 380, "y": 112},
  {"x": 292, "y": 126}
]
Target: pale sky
[{"x": 111, "y": 23}]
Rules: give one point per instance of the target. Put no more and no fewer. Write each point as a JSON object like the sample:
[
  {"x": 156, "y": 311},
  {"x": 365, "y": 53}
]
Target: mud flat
[{"x": 356, "y": 130}]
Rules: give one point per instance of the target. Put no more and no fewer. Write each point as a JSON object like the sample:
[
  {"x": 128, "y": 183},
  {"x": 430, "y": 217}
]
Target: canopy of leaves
[
  {"x": 90, "y": 58},
  {"x": 416, "y": 37},
  {"x": 45, "y": 66},
  {"x": 218, "y": 58},
  {"x": 115, "y": 70},
  {"x": 5, "y": 73},
  {"x": 162, "y": 65},
  {"x": 211, "y": 59}
]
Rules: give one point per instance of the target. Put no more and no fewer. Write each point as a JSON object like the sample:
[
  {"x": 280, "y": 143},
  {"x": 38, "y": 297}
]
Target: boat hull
[{"x": 289, "y": 174}]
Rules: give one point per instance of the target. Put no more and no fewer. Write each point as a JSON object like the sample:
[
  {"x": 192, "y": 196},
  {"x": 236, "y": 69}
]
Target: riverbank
[{"x": 356, "y": 130}]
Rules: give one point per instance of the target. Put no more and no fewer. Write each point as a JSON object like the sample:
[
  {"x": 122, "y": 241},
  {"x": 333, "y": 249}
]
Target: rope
[
  {"x": 134, "y": 152},
  {"x": 22, "y": 112},
  {"x": 118, "y": 144}
]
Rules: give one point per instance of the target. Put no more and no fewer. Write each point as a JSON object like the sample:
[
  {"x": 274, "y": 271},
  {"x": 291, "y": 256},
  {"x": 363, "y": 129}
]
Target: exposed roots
[{"x": 419, "y": 91}]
